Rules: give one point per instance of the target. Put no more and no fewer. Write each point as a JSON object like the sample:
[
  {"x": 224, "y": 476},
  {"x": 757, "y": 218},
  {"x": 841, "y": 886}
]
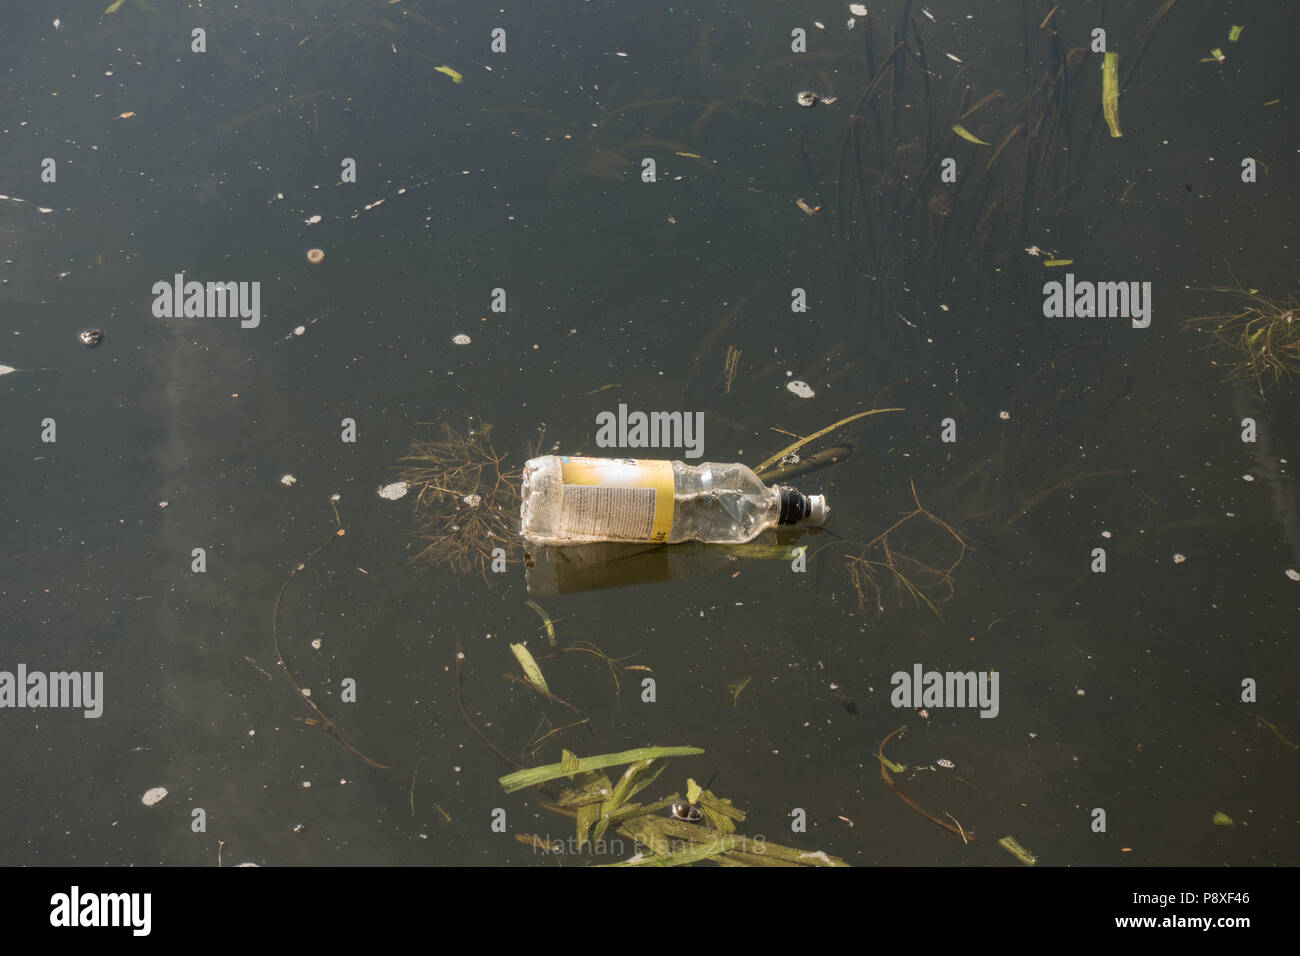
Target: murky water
[{"x": 1120, "y": 691}]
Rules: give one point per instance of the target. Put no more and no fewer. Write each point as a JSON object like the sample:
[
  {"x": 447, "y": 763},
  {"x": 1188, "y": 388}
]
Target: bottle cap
[
  {"x": 818, "y": 510},
  {"x": 798, "y": 508}
]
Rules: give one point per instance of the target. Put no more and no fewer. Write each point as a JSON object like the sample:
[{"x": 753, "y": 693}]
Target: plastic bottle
[{"x": 573, "y": 500}]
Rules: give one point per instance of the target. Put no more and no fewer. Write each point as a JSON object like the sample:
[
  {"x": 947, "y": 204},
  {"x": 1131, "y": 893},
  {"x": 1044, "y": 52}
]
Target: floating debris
[
  {"x": 1179, "y": 558},
  {"x": 806, "y": 98},
  {"x": 1293, "y": 574},
  {"x": 397, "y": 489},
  {"x": 1216, "y": 56},
  {"x": 1234, "y": 34},
  {"x": 858, "y": 9},
  {"x": 91, "y": 337},
  {"x": 810, "y": 210},
  {"x": 802, "y": 389},
  {"x": 153, "y": 795},
  {"x": 456, "y": 78},
  {"x": 1019, "y": 852},
  {"x": 313, "y": 220},
  {"x": 945, "y": 763},
  {"x": 953, "y": 57},
  {"x": 681, "y": 810},
  {"x": 531, "y": 670},
  {"x": 288, "y": 480},
  {"x": 546, "y": 620},
  {"x": 315, "y": 256},
  {"x": 1110, "y": 93},
  {"x": 1221, "y": 819},
  {"x": 6, "y": 369},
  {"x": 299, "y": 330},
  {"x": 967, "y": 135},
  {"x": 461, "y": 339}
]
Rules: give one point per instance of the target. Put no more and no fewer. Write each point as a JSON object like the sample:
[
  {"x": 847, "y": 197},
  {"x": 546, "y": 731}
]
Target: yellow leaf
[
  {"x": 569, "y": 763},
  {"x": 967, "y": 135},
  {"x": 533, "y": 672},
  {"x": 112, "y": 7},
  {"x": 1110, "y": 93},
  {"x": 1009, "y": 843},
  {"x": 546, "y": 619},
  {"x": 455, "y": 77},
  {"x": 1059, "y": 262},
  {"x": 693, "y": 791}
]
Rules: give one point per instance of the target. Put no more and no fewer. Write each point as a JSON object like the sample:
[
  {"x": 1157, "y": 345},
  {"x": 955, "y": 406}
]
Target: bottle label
[{"x": 621, "y": 499}]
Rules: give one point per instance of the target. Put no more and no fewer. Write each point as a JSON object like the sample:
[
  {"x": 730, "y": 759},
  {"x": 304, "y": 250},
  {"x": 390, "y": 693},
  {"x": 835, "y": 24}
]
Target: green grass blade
[{"x": 534, "y": 775}]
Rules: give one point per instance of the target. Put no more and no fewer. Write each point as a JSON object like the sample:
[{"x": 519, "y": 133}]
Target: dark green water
[{"x": 1118, "y": 691}]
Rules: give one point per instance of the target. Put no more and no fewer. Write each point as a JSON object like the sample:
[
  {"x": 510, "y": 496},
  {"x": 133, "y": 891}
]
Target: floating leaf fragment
[
  {"x": 1110, "y": 93},
  {"x": 570, "y": 765},
  {"x": 689, "y": 155},
  {"x": 1216, "y": 56},
  {"x": 112, "y": 7},
  {"x": 546, "y": 619},
  {"x": 531, "y": 670},
  {"x": 1059, "y": 262},
  {"x": 1221, "y": 819},
  {"x": 967, "y": 135},
  {"x": 893, "y": 767},
  {"x": 1234, "y": 34},
  {"x": 1011, "y": 846},
  {"x": 455, "y": 77}
]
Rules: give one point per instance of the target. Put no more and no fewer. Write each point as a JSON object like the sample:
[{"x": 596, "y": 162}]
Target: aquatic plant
[
  {"x": 1264, "y": 335},
  {"x": 467, "y": 502}
]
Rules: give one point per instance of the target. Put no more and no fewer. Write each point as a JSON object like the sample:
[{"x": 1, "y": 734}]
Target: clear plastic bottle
[{"x": 573, "y": 500}]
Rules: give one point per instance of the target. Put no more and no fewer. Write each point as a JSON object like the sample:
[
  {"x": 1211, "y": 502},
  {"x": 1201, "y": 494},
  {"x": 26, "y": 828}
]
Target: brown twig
[
  {"x": 326, "y": 724},
  {"x": 966, "y": 836}
]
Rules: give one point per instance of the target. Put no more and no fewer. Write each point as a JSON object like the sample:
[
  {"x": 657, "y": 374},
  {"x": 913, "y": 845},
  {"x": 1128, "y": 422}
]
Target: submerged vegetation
[
  {"x": 1263, "y": 333},
  {"x": 466, "y": 503},
  {"x": 669, "y": 831}
]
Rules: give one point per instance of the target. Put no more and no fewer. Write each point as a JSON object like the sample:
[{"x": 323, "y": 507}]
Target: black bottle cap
[{"x": 794, "y": 506}]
